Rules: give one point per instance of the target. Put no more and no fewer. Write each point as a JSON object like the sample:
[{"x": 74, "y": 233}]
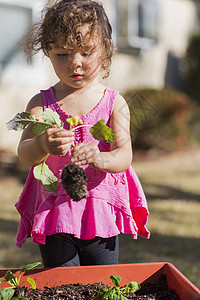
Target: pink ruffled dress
[{"x": 116, "y": 201}]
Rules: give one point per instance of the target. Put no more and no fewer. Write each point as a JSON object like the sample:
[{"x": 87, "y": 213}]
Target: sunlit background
[{"x": 157, "y": 69}]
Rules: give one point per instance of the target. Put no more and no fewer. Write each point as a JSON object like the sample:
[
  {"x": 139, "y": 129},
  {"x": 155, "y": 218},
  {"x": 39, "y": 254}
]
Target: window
[
  {"x": 122, "y": 23},
  {"x": 16, "y": 17},
  {"x": 14, "y": 22},
  {"x": 137, "y": 23}
]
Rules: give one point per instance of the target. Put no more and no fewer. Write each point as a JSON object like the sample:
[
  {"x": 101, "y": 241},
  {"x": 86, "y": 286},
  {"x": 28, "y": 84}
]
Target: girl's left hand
[{"x": 87, "y": 153}]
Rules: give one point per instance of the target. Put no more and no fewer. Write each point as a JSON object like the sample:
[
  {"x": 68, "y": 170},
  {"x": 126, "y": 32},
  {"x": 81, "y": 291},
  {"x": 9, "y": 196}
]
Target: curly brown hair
[{"x": 63, "y": 20}]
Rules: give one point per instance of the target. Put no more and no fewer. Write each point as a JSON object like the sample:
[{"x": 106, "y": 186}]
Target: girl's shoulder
[
  {"x": 35, "y": 105},
  {"x": 118, "y": 98},
  {"x": 35, "y": 101},
  {"x": 120, "y": 104}
]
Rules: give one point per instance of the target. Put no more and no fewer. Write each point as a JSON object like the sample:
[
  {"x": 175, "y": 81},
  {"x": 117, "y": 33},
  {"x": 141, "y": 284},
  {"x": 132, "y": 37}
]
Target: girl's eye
[
  {"x": 87, "y": 53},
  {"x": 90, "y": 51},
  {"x": 62, "y": 54}
]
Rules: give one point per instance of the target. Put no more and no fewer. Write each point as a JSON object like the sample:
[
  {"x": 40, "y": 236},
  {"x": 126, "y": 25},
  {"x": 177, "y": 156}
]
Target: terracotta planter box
[{"x": 129, "y": 272}]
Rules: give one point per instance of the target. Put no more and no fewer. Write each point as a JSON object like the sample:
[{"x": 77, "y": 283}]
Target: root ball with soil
[{"x": 74, "y": 182}]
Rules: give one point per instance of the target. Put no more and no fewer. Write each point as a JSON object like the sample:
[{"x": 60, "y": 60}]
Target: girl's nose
[{"x": 76, "y": 61}]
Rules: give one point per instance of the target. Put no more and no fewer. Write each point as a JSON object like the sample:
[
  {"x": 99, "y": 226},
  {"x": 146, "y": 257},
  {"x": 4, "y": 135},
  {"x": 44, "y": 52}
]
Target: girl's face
[{"x": 78, "y": 66}]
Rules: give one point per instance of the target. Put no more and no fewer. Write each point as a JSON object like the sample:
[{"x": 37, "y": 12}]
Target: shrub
[
  {"x": 163, "y": 119},
  {"x": 191, "y": 68}
]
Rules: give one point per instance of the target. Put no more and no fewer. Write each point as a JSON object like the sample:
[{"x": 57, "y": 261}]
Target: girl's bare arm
[
  {"x": 32, "y": 149},
  {"x": 120, "y": 156}
]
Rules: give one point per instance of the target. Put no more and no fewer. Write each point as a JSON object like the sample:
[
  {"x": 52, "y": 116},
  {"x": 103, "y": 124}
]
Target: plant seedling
[
  {"x": 116, "y": 292},
  {"x": 51, "y": 119},
  {"x": 7, "y": 293}
]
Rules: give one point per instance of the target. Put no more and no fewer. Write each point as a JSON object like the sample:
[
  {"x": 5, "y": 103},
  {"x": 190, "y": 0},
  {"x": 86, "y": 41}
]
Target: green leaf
[
  {"x": 12, "y": 280},
  {"x": 52, "y": 117},
  {"x": 2, "y": 280},
  {"x": 8, "y": 275},
  {"x": 16, "y": 298},
  {"x": 39, "y": 128},
  {"x": 131, "y": 287},
  {"x": 122, "y": 297},
  {"x": 32, "y": 283},
  {"x": 31, "y": 266},
  {"x": 6, "y": 293},
  {"x": 116, "y": 280},
  {"x": 102, "y": 132},
  {"x": 20, "y": 121},
  {"x": 113, "y": 294},
  {"x": 46, "y": 177}
]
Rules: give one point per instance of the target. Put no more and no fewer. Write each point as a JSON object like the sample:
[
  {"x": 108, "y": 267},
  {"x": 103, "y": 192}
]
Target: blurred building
[{"x": 151, "y": 37}]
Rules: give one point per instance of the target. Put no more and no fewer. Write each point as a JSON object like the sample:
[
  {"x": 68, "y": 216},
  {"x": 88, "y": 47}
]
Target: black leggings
[{"x": 63, "y": 249}]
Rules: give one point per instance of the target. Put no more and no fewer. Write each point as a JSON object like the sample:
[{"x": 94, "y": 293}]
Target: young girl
[{"x": 76, "y": 36}]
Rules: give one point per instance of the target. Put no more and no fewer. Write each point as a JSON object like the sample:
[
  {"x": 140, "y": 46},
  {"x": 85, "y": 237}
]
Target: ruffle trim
[{"x": 123, "y": 223}]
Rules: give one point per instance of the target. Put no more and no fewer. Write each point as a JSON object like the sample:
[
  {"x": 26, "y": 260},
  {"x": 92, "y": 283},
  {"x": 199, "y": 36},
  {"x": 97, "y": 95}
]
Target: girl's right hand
[{"x": 56, "y": 141}]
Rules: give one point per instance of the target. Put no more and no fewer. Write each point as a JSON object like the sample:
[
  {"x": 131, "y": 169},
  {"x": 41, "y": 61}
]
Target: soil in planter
[{"x": 156, "y": 291}]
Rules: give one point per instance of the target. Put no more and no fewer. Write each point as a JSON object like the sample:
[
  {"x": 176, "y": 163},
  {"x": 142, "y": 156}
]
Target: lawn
[
  {"x": 172, "y": 186},
  {"x": 171, "y": 183}
]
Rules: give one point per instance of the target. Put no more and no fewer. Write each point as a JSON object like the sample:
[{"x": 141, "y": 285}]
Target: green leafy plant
[
  {"x": 162, "y": 119},
  {"x": 190, "y": 67},
  {"x": 117, "y": 292},
  {"x": 8, "y": 292},
  {"x": 51, "y": 119}
]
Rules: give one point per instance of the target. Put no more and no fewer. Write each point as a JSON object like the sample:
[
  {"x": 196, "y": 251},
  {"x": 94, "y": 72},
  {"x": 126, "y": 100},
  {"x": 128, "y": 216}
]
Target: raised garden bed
[{"x": 144, "y": 272}]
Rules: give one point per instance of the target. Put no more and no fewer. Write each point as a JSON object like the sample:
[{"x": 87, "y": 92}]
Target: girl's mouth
[{"x": 77, "y": 76}]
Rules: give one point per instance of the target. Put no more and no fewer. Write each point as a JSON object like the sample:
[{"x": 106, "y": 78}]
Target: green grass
[
  {"x": 171, "y": 184},
  {"x": 11, "y": 184}
]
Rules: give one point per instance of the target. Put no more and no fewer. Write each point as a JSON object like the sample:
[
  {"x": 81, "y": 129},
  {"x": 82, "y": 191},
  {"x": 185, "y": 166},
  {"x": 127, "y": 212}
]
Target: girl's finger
[
  {"x": 61, "y": 133},
  {"x": 85, "y": 155},
  {"x": 79, "y": 149},
  {"x": 67, "y": 140}
]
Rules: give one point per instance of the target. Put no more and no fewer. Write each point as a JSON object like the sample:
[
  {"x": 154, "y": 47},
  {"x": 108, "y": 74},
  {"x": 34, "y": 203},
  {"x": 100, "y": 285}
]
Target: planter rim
[{"x": 139, "y": 272}]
